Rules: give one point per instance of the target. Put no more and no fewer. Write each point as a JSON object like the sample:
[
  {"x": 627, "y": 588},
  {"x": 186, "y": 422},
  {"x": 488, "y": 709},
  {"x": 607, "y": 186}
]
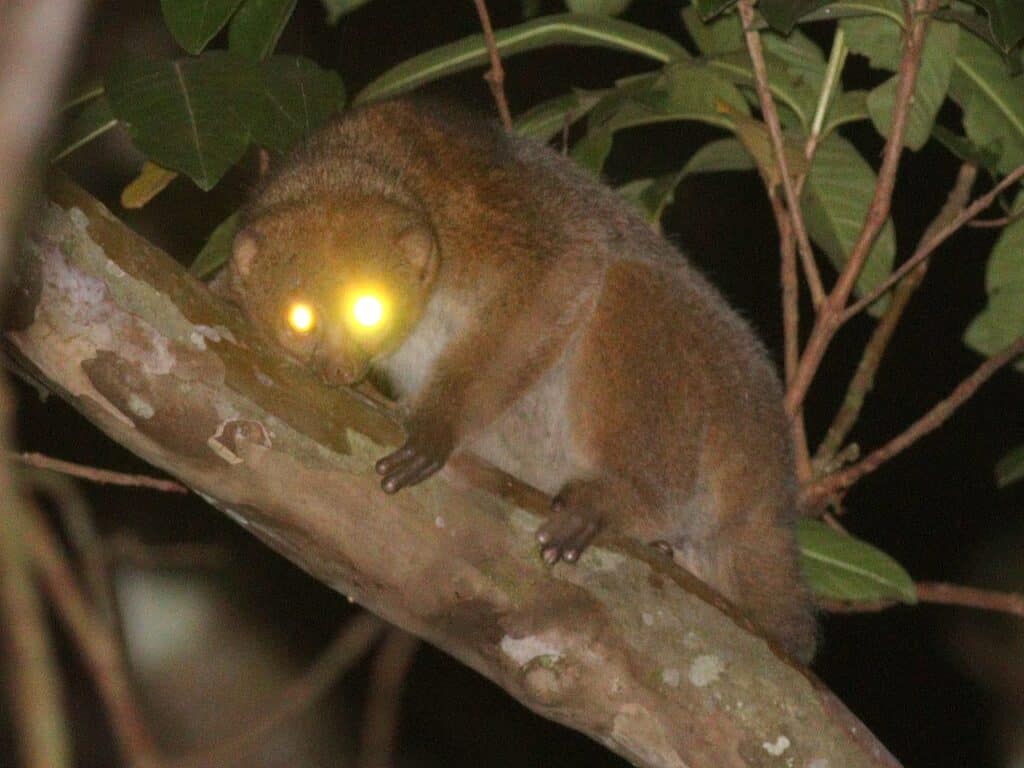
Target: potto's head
[{"x": 339, "y": 283}]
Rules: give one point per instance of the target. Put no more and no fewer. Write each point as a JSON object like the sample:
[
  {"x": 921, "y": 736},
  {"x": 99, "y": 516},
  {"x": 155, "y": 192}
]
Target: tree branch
[
  {"x": 840, "y": 481},
  {"x": 495, "y": 76},
  {"x": 828, "y": 319},
  {"x": 864, "y": 378},
  {"x": 624, "y": 646},
  {"x": 771, "y": 117},
  {"x": 928, "y": 245},
  {"x": 95, "y": 474}
]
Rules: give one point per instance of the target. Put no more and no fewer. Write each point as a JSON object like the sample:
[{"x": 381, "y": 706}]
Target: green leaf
[
  {"x": 878, "y": 38},
  {"x": 653, "y": 195},
  {"x": 217, "y": 251},
  {"x": 197, "y": 115},
  {"x": 992, "y": 100},
  {"x": 297, "y": 97},
  {"x": 709, "y": 8},
  {"x": 719, "y": 155},
  {"x": 338, "y": 8},
  {"x": 179, "y": 113},
  {"x": 841, "y": 9},
  {"x": 840, "y": 567},
  {"x": 93, "y": 120},
  {"x": 835, "y": 203},
  {"x": 929, "y": 92},
  {"x": 592, "y": 150},
  {"x": 549, "y": 118},
  {"x": 1006, "y": 19},
  {"x": 1010, "y": 468},
  {"x": 788, "y": 84},
  {"x": 257, "y": 27},
  {"x": 563, "y": 29},
  {"x": 985, "y": 157},
  {"x": 782, "y": 14},
  {"x": 1001, "y": 322},
  {"x": 194, "y": 23},
  {"x": 603, "y": 7},
  {"x": 684, "y": 90},
  {"x": 723, "y": 34},
  {"x": 849, "y": 107}
]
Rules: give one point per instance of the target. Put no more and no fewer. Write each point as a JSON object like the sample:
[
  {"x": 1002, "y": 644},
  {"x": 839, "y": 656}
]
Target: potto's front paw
[
  {"x": 423, "y": 454},
  {"x": 571, "y": 527}
]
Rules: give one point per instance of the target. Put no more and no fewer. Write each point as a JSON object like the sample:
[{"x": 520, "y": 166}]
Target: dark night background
[{"x": 935, "y": 508}]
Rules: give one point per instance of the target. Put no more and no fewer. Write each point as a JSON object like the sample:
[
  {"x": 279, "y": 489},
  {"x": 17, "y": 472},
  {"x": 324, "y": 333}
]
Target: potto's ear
[
  {"x": 418, "y": 246},
  {"x": 244, "y": 250}
]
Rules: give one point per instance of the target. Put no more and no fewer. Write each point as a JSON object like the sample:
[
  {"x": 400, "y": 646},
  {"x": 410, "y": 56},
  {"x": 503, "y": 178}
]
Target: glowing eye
[
  {"x": 301, "y": 317},
  {"x": 368, "y": 311}
]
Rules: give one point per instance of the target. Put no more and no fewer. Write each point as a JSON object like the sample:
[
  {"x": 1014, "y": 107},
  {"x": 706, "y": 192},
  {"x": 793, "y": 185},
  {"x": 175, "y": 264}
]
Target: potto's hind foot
[{"x": 573, "y": 524}]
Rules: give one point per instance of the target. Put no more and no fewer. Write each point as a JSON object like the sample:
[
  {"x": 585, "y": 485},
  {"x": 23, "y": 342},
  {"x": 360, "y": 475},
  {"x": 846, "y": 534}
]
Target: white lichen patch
[
  {"x": 112, "y": 268},
  {"x": 140, "y": 407},
  {"x": 692, "y": 640},
  {"x": 671, "y": 677},
  {"x": 201, "y": 333},
  {"x": 439, "y": 521},
  {"x": 647, "y": 619},
  {"x": 262, "y": 378},
  {"x": 776, "y": 749},
  {"x": 523, "y": 650},
  {"x": 705, "y": 670},
  {"x": 603, "y": 559},
  {"x": 524, "y": 521}
]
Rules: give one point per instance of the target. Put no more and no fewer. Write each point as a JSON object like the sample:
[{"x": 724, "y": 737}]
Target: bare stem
[
  {"x": 828, "y": 319},
  {"x": 840, "y": 481},
  {"x": 928, "y": 246},
  {"x": 495, "y": 76},
  {"x": 941, "y": 593},
  {"x": 94, "y": 474},
  {"x": 95, "y": 640},
  {"x": 771, "y": 117},
  {"x": 864, "y": 378},
  {"x": 380, "y": 724}
]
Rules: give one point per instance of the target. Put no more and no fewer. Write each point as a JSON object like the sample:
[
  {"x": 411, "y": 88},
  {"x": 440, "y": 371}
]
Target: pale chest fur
[{"x": 532, "y": 439}]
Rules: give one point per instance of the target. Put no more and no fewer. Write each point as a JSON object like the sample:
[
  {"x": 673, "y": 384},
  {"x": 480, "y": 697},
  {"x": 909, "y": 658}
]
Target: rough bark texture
[{"x": 623, "y": 646}]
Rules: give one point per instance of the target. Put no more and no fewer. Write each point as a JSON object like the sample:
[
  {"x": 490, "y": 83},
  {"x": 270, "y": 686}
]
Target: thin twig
[
  {"x": 1002, "y": 221},
  {"x": 928, "y": 246},
  {"x": 791, "y": 328},
  {"x": 495, "y": 76},
  {"x": 76, "y": 516},
  {"x": 970, "y": 597},
  {"x": 380, "y": 723},
  {"x": 864, "y": 378},
  {"x": 940, "y": 593},
  {"x": 350, "y": 644},
  {"x": 32, "y": 674},
  {"x": 94, "y": 474},
  {"x": 827, "y": 321},
  {"x": 771, "y": 117},
  {"x": 840, "y": 481},
  {"x": 95, "y": 640}
]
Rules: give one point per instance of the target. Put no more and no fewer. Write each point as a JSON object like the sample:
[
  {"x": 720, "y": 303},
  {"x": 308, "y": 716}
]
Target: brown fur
[{"x": 543, "y": 325}]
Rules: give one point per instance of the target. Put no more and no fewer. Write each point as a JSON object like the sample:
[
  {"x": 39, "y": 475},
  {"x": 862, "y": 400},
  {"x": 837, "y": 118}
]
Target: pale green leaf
[
  {"x": 836, "y": 199},
  {"x": 1010, "y": 468},
  {"x": 94, "y": 119},
  {"x": 565, "y": 29},
  {"x": 217, "y": 251},
  {"x": 840, "y": 567}
]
